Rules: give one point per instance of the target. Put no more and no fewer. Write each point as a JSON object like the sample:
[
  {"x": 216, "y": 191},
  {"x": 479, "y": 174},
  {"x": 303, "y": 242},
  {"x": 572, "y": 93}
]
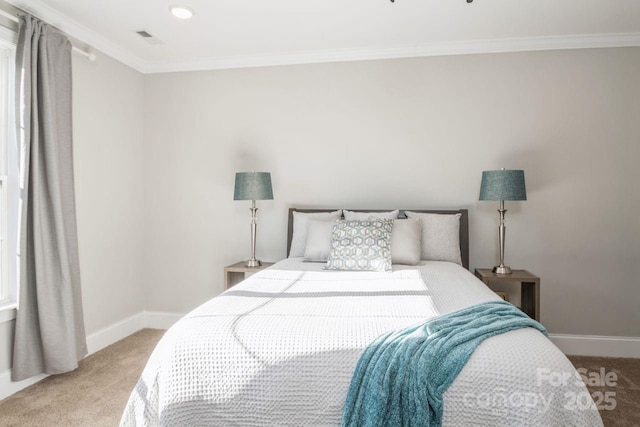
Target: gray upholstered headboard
[{"x": 464, "y": 225}]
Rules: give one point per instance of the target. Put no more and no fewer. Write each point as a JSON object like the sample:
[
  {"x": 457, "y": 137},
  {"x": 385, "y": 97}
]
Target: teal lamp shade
[
  {"x": 503, "y": 185},
  {"x": 253, "y": 186}
]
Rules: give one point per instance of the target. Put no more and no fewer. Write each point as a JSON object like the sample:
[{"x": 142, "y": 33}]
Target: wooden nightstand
[
  {"x": 529, "y": 287},
  {"x": 235, "y": 273}
]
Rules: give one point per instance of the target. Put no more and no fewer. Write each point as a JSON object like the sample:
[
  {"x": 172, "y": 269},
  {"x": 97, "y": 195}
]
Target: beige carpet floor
[
  {"x": 93, "y": 395},
  {"x": 626, "y": 392},
  {"x": 96, "y": 393}
]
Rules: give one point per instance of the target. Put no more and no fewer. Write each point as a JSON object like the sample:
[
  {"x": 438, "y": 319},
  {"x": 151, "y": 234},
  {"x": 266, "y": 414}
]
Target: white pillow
[
  {"x": 440, "y": 236},
  {"x": 300, "y": 223},
  {"x": 364, "y": 216},
  {"x": 406, "y": 241},
  {"x": 318, "y": 241}
]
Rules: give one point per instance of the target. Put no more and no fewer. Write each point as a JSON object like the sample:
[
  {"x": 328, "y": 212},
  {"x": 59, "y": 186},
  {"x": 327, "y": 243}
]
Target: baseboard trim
[
  {"x": 160, "y": 319},
  {"x": 115, "y": 332},
  {"x": 8, "y": 387},
  {"x": 97, "y": 341},
  {"x": 597, "y": 345}
]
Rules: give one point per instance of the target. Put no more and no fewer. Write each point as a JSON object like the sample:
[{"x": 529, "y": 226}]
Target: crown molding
[
  {"x": 46, "y": 13},
  {"x": 433, "y": 49},
  {"x": 41, "y": 10}
]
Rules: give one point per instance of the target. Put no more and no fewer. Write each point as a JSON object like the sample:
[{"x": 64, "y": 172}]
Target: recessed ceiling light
[{"x": 181, "y": 12}]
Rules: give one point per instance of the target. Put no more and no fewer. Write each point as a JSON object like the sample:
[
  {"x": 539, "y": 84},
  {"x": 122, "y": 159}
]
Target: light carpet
[
  {"x": 625, "y": 393},
  {"x": 94, "y": 395}
]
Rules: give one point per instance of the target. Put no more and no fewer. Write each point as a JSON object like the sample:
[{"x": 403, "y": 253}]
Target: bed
[{"x": 280, "y": 348}]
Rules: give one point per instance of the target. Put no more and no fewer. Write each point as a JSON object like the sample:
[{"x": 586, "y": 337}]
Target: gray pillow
[
  {"x": 406, "y": 241},
  {"x": 300, "y": 223},
  {"x": 363, "y": 216},
  {"x": 440, "y": 236},
  {"x": 318, "y": 241},
  {"x": 361, "y": 245}
]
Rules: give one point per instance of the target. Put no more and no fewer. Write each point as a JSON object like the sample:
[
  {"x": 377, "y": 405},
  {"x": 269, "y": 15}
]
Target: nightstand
[
  {"x": 529, "y": 287},
  {"x": 235, "y": 273}
]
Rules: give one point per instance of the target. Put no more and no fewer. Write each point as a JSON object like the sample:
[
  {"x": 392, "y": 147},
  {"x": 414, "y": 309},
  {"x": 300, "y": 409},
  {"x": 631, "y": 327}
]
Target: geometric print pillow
[{"x": 361, "y": 245}]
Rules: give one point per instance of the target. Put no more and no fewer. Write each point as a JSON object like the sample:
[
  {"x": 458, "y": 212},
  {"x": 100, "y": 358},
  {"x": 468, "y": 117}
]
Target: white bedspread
[{"x": 280, "y": 349}]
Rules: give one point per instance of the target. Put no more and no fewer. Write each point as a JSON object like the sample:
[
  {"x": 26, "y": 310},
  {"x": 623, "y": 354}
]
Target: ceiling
[{"x": 246, "y": 33}]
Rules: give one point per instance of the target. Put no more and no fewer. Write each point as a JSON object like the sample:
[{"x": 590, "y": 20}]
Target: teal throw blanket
[{"x": 401, "y": 376}]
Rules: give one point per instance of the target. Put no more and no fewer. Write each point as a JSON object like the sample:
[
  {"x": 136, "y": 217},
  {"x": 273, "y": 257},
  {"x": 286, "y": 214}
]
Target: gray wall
[
  {"x": 155, "y": 157},
  {"x": 108, "y": 150},
  {"x": 109, "y": 159},
  {"x": 412, "y": 133}
]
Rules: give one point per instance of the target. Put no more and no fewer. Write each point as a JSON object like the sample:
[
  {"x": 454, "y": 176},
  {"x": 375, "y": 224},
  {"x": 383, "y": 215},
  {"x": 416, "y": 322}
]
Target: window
[{"x": 9, "y": 180}]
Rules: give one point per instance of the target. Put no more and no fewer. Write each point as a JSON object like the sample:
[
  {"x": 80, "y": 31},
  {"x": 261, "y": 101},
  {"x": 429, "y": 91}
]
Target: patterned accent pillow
[{"x": 361, "y": 245}]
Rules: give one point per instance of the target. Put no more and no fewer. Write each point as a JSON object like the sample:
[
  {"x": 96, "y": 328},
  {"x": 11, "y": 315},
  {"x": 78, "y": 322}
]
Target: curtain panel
[{"x": 49, "y": 335}]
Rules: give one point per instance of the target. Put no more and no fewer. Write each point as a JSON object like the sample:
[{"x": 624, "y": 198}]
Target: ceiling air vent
[{"x": 148, "y": 37}]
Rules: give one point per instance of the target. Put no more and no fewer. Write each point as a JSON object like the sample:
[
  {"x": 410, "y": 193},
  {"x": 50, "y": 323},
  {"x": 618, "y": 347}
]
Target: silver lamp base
[
  {"x": 501, "y": 269},
  {"x": 253, "y": 263}
]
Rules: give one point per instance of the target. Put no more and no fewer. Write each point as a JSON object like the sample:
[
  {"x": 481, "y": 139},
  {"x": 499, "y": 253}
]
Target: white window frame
[
  {"x": 7, "y": 291},
  {"x": 9, "y": 180}
]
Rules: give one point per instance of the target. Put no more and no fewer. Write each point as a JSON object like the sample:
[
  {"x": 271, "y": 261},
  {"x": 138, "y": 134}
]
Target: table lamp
[
  {"x": 253, "y": 186},
  {"x": 502, "y": 185}
]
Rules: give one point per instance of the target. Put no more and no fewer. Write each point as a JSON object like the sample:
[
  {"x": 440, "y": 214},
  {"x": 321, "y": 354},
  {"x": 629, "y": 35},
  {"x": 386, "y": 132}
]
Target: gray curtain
[{"x": 49, "y": 336}]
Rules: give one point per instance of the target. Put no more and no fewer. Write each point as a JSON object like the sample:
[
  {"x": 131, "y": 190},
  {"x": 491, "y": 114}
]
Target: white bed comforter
[{"x": 280, "y": 349}]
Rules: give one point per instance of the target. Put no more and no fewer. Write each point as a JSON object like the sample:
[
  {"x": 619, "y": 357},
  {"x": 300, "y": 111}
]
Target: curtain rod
[{"x": 90, "y": 56}]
